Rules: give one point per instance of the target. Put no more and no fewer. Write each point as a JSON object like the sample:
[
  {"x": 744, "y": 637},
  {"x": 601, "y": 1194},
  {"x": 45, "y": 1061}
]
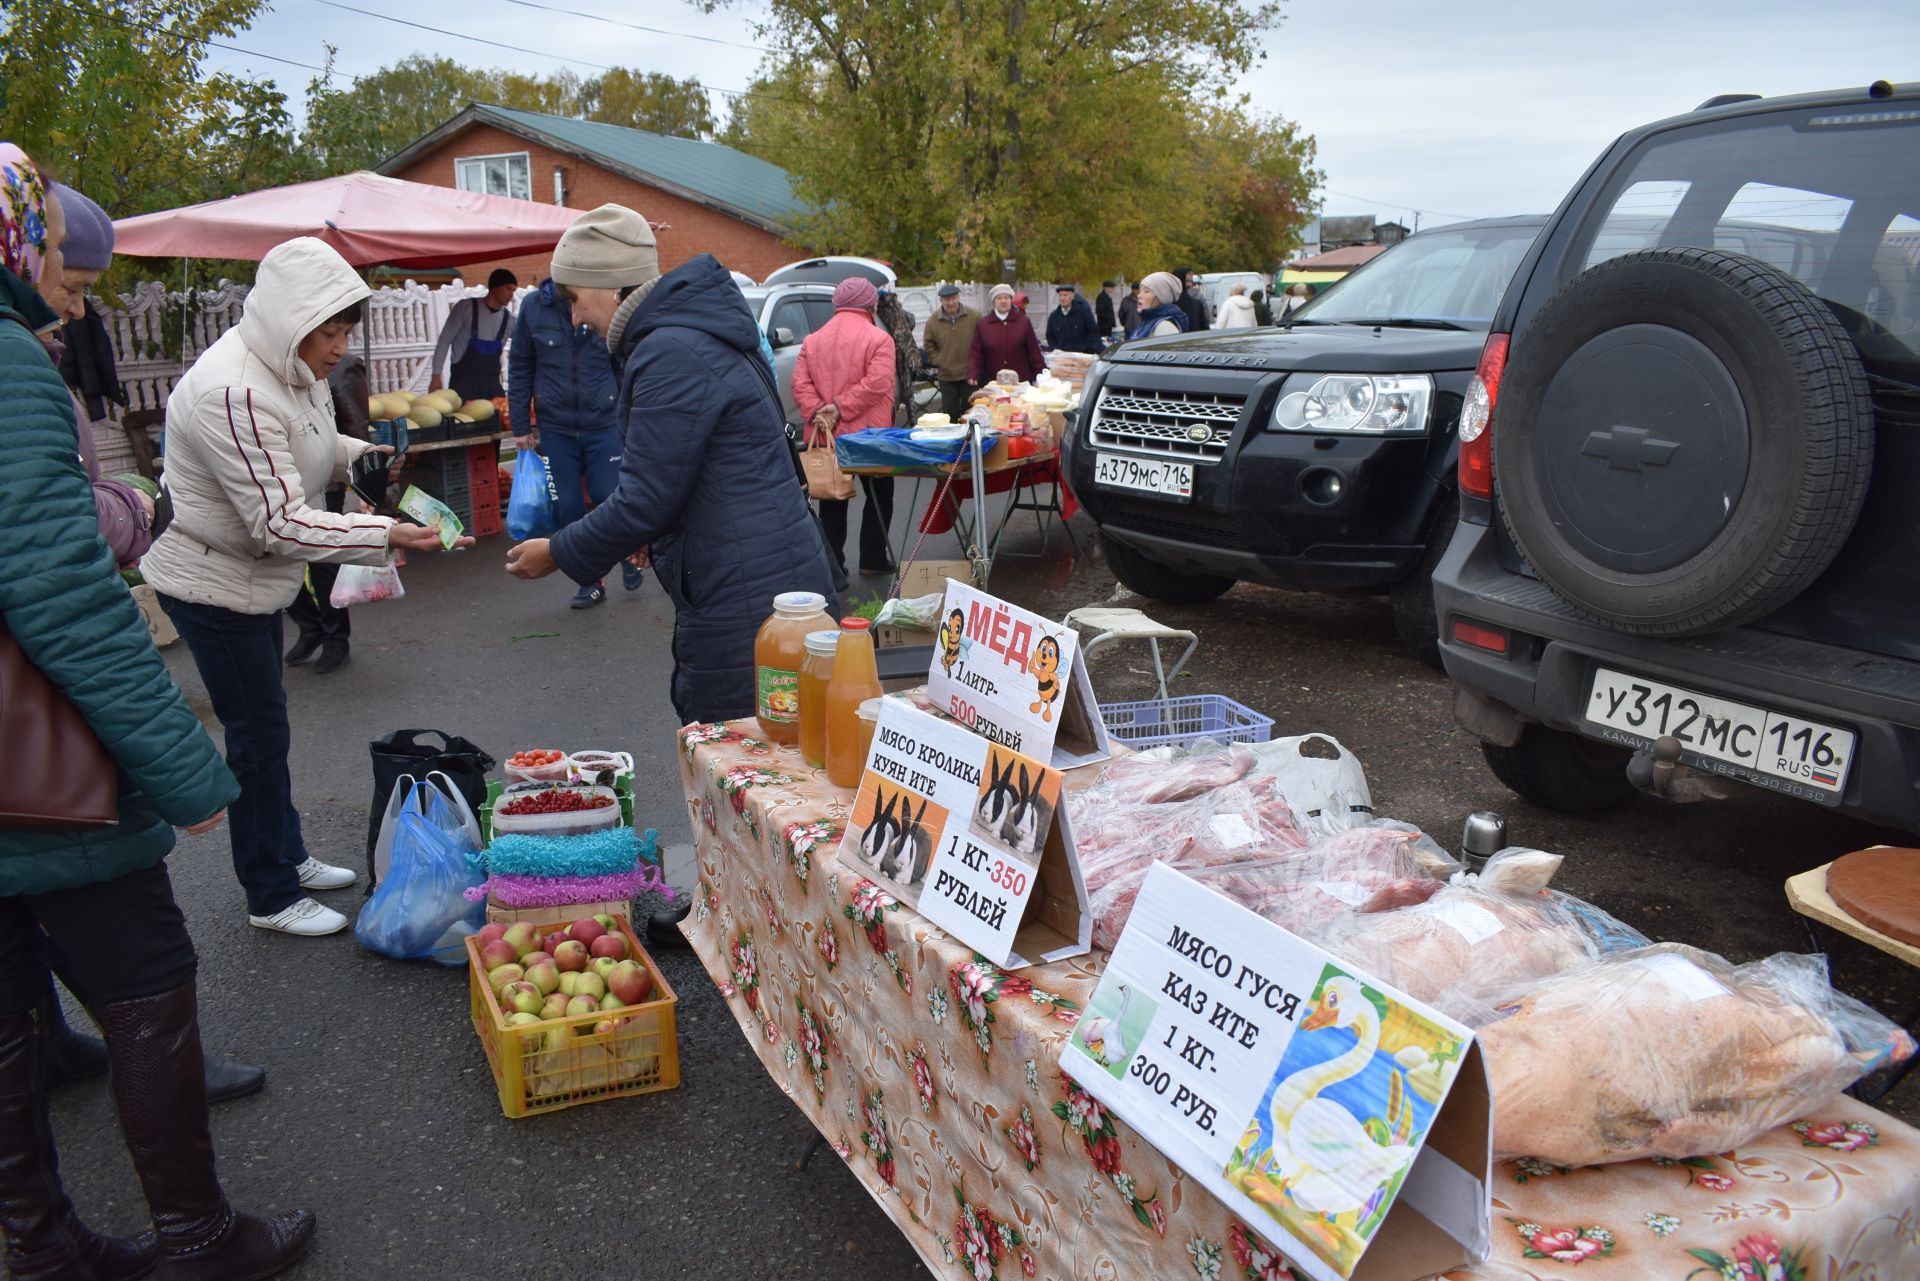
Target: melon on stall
[
  {"x": 478, "y": 410},
  {"x": 424, "y": 416}
]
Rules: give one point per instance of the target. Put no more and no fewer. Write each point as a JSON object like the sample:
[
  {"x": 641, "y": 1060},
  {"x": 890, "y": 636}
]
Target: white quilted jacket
[{"x": 251, "y": 446}]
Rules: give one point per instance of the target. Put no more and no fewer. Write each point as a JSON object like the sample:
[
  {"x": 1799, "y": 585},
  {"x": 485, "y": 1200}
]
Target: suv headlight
[{"x": 1365, "y": 403}]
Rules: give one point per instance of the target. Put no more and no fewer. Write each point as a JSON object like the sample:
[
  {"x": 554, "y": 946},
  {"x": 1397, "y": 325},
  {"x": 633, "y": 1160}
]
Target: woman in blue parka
[
  {"x": 707, "y": 485},
  {"x": 102, "y": 893}
]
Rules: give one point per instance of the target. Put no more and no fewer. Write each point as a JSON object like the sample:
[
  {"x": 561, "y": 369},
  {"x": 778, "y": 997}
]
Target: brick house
[{"x": 712, "y": 198}]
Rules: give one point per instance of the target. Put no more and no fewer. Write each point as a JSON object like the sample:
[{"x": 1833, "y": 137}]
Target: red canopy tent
[{"x": 372, "y": 220}]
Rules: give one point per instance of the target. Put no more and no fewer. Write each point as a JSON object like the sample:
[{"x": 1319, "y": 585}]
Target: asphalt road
[{"x": 380, "y": 1113}]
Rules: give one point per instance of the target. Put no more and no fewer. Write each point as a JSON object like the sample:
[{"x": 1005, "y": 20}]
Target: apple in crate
[
  {"x": 555, "y": 1006},
  {"x": 603, "y": 966},
  {"x": 522, "y": 997},
  {"x": 554, "y": 940},
  {"x": 569, "y": 983},
  {"x": 490, "y": 932},
  {"x": 631, "y": 982},
  {"x": 544, "y": 975},
  {"x": 613, "y": 945},
  {"x": 522, "y": 938},
  {"x": 586, "y": 930},
  {"x": 606, "y": 922},
  {"x": 590, "y": 985},
  {"x": 572, "y": 955},
  {"x": 532, "y": 959},
  {"x": 612, "y": 1002},
  {"x": 521, "y": 1020},
  {"x": 582, "y": 1005},
  {"x": 496, "y": 954}
]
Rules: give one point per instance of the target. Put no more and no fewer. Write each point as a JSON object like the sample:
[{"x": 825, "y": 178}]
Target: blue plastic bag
[
  {"x": 421, "y": 910},
  {"x": 533, "y": 511}
]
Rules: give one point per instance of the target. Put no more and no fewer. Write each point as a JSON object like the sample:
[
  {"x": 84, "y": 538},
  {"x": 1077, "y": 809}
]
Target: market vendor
[
  {"x": 707, "y": 489},
  {"x": 474, "y": 336},
  {"x": 1004, "y": 339}
]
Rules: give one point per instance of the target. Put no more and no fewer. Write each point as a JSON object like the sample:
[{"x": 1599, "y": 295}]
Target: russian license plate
[
  {"x": 1781, "y": 752},
  {"x": 1172, "y": 479}
]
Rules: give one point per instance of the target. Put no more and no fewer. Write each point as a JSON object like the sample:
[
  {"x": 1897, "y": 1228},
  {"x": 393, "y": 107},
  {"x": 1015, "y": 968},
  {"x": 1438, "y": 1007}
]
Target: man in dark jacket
[
  {"x": 1071, "y": 325},
  {"x": 560, "y": 373},
  {"x": 1192, "y": 302},
  {"x": 1103, "y": 316},
  {"x": 707, "y": 485}
]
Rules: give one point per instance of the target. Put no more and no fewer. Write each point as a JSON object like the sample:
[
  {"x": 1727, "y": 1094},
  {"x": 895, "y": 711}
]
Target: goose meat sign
[{"x": 1346, "y": 1121}]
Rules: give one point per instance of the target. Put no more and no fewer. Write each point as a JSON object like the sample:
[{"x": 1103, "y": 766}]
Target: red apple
[
  {"x": 580, "y": 1005},
  {"x": 607, "y": 923},
  {"x": 554, "y": 940},
  {"x": 604, "y": 1026},
  {"x": 523, "y": 938},
  {"x": 555, "y": 1006},
  {"x": 544, "y": 975},
  {"x": 532, "y": 959},
  {"x": 631, "y": 982},
  {"x": 496, "y": 954},
  {"x": 586, "y": 929},
  {"x": 614, "y": 945},
  {"x": 501, "y": 975},
  {"x": 491, "y": 931},
  {"x": 521, "y": 996},
  {"x": 572, "y": 956}
]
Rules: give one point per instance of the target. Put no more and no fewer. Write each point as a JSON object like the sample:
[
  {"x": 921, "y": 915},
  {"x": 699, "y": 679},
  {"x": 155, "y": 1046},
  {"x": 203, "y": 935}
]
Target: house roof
[
  {"x": 1339, "y": 259},
  {"x": 708, "y": 173}
]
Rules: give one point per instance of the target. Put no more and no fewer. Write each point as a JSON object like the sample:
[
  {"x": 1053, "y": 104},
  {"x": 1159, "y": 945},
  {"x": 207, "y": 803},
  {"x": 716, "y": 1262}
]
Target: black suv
[
  {"x": 1319, "y": 456},
  {"x": 1688, "y": 546}
]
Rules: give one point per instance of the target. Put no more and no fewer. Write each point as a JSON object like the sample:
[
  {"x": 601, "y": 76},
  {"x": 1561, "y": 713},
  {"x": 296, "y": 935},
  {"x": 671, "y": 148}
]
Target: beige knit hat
[{"x": 608, "y": 248}]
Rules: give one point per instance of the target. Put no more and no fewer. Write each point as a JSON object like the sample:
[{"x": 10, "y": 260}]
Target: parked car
[
  {"x": 831, "y": 271},
  {"x": 1319, "y": 456},
  {"x": 1687, "y": 549},
  {"x": 787, "y": 314},
  {"x": 1215, "y": 286}
]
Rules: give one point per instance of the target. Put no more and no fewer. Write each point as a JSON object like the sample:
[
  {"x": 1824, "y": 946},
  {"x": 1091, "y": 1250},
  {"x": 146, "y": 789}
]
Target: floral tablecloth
[{"x": 934, "y": 1075}]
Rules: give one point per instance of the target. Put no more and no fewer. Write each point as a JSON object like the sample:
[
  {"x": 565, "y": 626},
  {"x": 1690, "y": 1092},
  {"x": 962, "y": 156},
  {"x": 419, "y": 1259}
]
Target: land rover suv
[
  {"x": 1689, "y": 470},
  {"x": 1319, "y": 456}
]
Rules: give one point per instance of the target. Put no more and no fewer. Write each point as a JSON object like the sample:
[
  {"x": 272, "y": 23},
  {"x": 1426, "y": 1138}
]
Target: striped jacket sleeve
[{"x": 256, "y": 470}]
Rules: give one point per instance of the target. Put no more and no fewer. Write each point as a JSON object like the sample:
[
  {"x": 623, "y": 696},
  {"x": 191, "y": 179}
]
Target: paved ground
[{"x": 381, "y": 1114}]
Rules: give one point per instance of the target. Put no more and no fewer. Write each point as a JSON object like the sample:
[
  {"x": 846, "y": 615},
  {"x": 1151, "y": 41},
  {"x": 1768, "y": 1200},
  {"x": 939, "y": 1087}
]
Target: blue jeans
[
  {"x": 239, "y": 660},
  {"x": 592, "y": 456}
]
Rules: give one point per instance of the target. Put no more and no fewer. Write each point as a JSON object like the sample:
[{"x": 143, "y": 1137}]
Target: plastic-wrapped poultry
[
  {"x": 1478, "y": 935},
  {"x": 1371, "y": 868},
  {"x": 1673, "y": 1052},
  {"x": 1160, "y": 778}
]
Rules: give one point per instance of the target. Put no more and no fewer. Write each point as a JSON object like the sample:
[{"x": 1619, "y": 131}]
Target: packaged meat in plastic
[
  {"x": 1371, "y": 868},
  {"x": 1673, "y": 1052},
  {"x": 1463, "y": 945},
  {"x": 1165, "y": 775}
]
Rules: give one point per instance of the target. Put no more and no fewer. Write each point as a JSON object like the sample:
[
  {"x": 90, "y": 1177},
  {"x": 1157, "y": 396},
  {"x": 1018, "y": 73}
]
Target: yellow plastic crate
[{"x": 559, "y": 1063}]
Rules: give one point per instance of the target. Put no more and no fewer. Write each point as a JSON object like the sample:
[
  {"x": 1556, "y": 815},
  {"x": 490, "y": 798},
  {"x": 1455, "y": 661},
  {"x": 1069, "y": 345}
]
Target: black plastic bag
[{"x": 401, "y": 752}]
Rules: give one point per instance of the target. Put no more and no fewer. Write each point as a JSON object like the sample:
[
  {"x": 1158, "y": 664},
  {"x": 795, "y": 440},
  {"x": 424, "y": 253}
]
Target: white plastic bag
[{"x": 364, "y": 584}]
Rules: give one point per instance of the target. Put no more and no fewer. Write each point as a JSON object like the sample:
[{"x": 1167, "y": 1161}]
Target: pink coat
[{"x": 847, "y": 362}]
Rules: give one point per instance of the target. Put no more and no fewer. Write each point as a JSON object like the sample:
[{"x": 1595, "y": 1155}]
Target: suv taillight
[{"x": 1476, "y": 419}]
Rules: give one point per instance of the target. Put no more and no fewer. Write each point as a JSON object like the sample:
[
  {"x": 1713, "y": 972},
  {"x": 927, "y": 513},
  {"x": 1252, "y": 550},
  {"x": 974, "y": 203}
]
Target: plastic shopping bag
[
  {"x": 364, "y": 584},
  {"x": 533, "y": 510},
  {"x": 421, "y": 910}
]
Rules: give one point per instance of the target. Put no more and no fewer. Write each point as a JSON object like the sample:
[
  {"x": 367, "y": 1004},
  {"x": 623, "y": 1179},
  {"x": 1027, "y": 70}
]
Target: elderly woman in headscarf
[
  {"x": 1160, "y": 310},
  {"x": 100, "y": 891}
]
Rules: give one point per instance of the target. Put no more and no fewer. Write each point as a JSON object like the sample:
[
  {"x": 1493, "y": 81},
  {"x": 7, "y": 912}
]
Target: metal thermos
[{"x": 1483, "y": 835}]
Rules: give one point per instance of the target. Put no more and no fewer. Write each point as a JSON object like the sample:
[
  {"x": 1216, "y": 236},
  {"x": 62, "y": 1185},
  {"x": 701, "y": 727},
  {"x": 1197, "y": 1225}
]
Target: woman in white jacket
[
  {"x": 1236, "y": 312},
  {"x": 250, "y": 435}
]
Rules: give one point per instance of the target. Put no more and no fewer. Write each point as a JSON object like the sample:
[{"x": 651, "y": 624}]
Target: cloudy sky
[{"x": 1456, "y": 110}]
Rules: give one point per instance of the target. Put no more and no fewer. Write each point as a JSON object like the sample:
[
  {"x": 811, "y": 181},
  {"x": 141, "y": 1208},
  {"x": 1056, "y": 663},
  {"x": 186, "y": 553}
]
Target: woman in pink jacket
[{"x": 843, "y": 382}]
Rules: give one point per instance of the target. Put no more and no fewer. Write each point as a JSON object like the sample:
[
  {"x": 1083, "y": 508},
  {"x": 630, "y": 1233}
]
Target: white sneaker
[
  {"x": 315, "y": 875},
  {"x": 305, "y": 918}
]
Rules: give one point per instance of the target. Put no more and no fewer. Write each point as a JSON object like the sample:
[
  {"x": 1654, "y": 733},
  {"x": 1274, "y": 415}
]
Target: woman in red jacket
[
  {"x": 1004, "y": 339},
  {"x": 843, "y": 382}
]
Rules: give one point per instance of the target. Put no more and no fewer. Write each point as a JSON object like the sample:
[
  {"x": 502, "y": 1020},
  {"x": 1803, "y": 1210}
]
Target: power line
[
  {"x": 1393, "y": 204},
  {"x": 636, "y": 26}
]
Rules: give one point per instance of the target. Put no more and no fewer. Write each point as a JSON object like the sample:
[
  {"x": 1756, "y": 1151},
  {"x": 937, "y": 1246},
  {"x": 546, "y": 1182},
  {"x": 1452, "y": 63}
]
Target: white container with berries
[
  {"x": 540, "y": 765},
  {"x": 567, "y": 809}
]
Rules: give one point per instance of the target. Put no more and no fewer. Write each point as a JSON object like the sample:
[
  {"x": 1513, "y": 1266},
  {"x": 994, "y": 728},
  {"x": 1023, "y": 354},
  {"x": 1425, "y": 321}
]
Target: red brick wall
[{"x": 691, "y": 229}]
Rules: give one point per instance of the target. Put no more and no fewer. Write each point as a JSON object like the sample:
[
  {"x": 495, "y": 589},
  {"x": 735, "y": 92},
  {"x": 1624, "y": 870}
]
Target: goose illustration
[
  {"x": 1327, "y": 1161},
  {"x": 1102, "y": 1036}
]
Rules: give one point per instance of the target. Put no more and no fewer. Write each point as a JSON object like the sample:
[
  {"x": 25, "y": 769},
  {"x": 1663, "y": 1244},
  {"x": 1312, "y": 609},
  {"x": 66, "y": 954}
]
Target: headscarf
[
  {"x": 1164, "y": 287},
  {"x": 23, "y": 215},
  {"x": 855, "y": 293}
]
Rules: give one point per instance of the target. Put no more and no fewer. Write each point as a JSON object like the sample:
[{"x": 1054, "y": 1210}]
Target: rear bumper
[{"x": 1552, "y": 652}]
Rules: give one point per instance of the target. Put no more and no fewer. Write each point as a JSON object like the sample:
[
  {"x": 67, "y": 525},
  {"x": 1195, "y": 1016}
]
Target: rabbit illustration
[
  {"x": 1027, "y": 817},
  {"x": 997, "y": 802},
  {"x": 911, "y": 850},
  {"x": 883, "y": 832}
]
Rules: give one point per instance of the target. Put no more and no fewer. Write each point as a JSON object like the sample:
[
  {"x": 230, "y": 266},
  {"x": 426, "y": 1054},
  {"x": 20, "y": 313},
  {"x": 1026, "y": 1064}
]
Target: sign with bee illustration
[
  {"x": 972, "y": 834},
  {"x": 1011, "y": 675}
]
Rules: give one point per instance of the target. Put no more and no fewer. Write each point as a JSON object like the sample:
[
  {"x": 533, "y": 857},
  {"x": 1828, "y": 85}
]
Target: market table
[
  {"x": 1011, "y": 476},
  {"x": 933, "y": 1074}
]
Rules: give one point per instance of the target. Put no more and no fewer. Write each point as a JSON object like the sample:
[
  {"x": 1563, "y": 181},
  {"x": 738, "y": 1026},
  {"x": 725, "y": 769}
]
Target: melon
[
  {"x": 424, "y": 416},
  {"x": 478, "y": 410},
  {"x": 446, "y": 400}
]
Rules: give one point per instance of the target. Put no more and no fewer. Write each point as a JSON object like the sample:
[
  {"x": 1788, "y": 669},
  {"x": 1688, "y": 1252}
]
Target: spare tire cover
[{"x": 1683, "y": 440}]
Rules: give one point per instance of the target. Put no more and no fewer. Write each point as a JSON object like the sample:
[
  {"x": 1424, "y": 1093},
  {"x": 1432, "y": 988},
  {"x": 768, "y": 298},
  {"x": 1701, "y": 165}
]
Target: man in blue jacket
[
  {"x": 708, "y": 490},
  {"x": 561, "y": 373},
  {"x": 1071, "y": 326}
]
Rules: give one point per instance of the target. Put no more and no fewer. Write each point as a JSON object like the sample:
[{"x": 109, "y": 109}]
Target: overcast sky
[{"x": 1457, "y": 110}]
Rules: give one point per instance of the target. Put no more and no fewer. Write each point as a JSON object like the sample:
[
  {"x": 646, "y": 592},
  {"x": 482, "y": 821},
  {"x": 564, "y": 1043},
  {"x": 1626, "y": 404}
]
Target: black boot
[
  {"x": 159, "y": 1088},
  {"x": 303, "y": 648},
  {"x": 46, "y": 1241},
  {"x": 74, "y": 1056},
  {"x": 663, "y": 927},
  {"x": 332, "y": 654}
]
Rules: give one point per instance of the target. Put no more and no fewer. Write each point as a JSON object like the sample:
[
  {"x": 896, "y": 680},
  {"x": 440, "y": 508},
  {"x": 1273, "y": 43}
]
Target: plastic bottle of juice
[
  {"x": 778, "y": 649},
  {"x": 855, "y": 680},
  {"x": 815, "y": 672}
]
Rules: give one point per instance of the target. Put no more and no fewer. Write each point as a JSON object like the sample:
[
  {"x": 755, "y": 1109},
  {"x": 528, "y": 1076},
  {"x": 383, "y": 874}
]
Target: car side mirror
[{"x": 783, "y": 337}]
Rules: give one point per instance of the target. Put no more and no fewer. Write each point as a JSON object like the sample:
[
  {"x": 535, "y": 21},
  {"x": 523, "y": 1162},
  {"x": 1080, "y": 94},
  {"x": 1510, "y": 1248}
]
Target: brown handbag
[
  {"x": 821, "y": 464},
  {"x": 58, "y": 776}
]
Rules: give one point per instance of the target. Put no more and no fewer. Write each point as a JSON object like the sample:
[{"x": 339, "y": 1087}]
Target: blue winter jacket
[
  {"x": 707, "y": 480},
  {"x": 561, "y": 367},
  {"x": 72, "y": 616}
]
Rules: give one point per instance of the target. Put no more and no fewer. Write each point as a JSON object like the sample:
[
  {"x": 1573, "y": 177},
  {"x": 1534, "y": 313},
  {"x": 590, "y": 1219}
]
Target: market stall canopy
[{"x": 369, "y": 218}]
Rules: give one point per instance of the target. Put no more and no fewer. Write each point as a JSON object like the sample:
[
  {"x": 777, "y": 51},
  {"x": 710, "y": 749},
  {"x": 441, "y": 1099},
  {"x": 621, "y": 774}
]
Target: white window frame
[{"x": 525, "y": 158}]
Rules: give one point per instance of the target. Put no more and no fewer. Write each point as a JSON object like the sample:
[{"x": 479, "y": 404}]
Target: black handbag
[{"x": 401, "y": 752}]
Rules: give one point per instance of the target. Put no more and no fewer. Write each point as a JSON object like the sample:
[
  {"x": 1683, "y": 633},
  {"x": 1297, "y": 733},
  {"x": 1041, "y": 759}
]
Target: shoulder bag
[{"x": 58, "y": 777}]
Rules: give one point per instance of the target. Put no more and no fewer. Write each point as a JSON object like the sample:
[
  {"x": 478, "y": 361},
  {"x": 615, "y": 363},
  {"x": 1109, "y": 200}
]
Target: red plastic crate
[{"x": 485, "y": 523}]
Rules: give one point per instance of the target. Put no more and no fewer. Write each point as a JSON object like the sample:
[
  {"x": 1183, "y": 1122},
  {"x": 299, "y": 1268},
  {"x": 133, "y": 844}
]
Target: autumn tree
[{"x": 1072, "y": 136}]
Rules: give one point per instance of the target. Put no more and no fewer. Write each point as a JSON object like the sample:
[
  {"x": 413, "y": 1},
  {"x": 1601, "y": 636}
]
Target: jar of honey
[
  {"x": 778, "y": 650},
  {"x": 855, "y": 679},
  {"x": 815, "y": 672}
]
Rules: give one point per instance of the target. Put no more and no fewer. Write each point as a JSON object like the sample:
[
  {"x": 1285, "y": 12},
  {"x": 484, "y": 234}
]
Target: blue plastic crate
[{"x": 1160, "y": 722}]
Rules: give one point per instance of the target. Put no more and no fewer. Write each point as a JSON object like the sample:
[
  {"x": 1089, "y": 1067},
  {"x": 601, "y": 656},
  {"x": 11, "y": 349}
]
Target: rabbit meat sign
[{"x": 952, "y": 824}]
